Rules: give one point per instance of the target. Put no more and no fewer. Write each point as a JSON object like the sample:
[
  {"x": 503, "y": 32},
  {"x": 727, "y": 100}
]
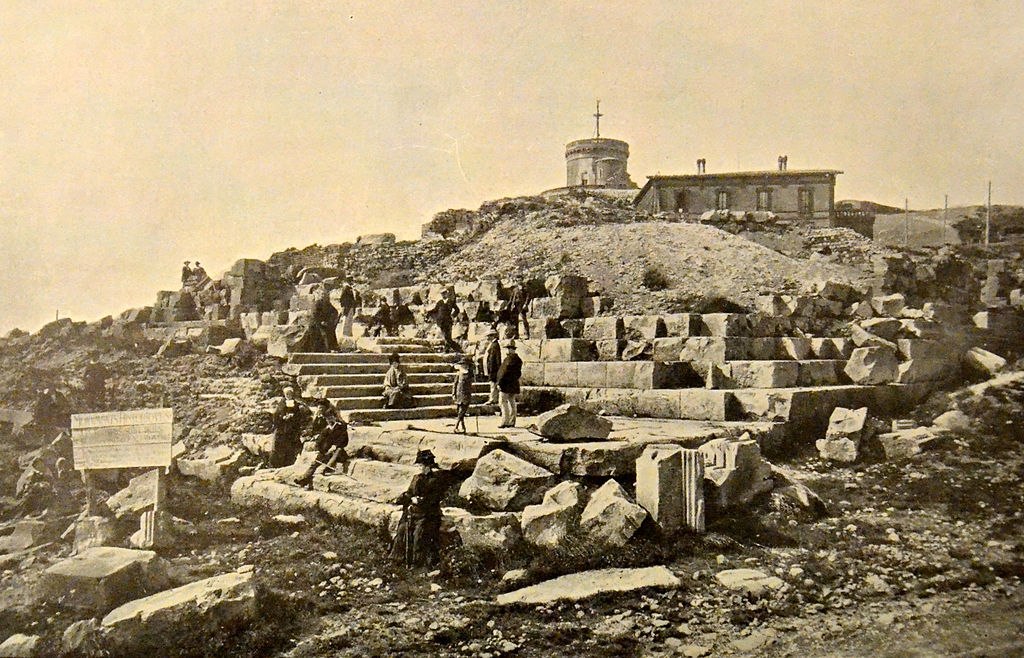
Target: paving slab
[{"x": 586, "y": 584}]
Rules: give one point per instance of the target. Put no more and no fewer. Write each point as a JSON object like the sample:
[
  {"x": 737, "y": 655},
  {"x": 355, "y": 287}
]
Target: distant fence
[{"x": 860, "y": 221}]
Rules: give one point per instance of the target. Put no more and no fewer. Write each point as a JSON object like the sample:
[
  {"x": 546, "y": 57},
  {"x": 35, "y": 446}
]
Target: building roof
[{"x": 731, "y": 175}]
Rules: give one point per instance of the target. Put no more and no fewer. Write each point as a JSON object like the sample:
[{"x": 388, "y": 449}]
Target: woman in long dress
[{"x": 396, "y": 385}]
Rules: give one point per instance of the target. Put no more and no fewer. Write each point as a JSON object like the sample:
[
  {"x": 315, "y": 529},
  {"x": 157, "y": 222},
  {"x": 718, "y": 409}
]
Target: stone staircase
[{"x": 352, "y": 381}]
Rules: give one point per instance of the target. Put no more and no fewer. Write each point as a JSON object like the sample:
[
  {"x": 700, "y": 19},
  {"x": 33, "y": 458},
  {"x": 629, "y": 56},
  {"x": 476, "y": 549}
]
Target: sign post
[{"x": 123, "y": 439}]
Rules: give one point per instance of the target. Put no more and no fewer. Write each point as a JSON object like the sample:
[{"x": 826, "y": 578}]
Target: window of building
[
  {"x": 583, "y": 178},
  {"x": 805, "y": 204},
  {"x": 681, "y": 200},
  {"x": 764, "y": 199},
  {"x": 722, "y": 200}
]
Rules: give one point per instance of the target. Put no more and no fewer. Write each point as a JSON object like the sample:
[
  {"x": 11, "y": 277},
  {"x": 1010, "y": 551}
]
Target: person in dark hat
[
  {"x": 186, "y": 273},
  {"x": 290, "y": 417},
  {"x": 462, "y": 391},
  {"x": 330, "y": 434},
  {"x": 508, "y": 384},
  {"x": 417, "y": 542},
  {"x": 492, "y": 362},
  {"x": 396, "y": 384}
]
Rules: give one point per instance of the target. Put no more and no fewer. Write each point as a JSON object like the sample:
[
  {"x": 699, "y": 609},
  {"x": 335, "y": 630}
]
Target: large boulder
[
  {"x": 847, "y": 430},
  {"x": 872, "y": 365},
  {"x": 20, "y": 645},
  {"x": 886, "y": 328},
  {"x": 104, "y": 576},
  {"x": 611, "y": 517},
  {"x": 571, "y": 423},
  {"x": 737, "y": 471},
  {"x": 501, "y": 481},
  {"x": 210, "y": 605},
  {"x": 551, "y": 522},
  {"x": 983, "y": 361},
  {"x": 498, "y": 531}
]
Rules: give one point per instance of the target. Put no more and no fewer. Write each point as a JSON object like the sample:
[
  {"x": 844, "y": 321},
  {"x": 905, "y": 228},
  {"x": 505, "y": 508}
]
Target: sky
[{"x": 135, "y": 135}]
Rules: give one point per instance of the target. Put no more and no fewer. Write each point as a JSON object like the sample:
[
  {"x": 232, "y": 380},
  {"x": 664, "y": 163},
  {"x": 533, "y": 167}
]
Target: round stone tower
[{"x": 597, "y": 162}]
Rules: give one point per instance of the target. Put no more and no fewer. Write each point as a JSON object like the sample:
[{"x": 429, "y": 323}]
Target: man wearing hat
[
  {"x": 290, "y": 417},
  {"x": 508, "y": 384},
  {"x": 186, "y": 273},
  {"x": 492, "y": 361},
  {"x": 417, "y": 541},
  {"x": 462, "y": 391}
]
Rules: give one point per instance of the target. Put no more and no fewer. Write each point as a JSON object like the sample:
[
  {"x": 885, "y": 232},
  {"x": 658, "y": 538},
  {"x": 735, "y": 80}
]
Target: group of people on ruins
[{"x": 316, "y": 427}]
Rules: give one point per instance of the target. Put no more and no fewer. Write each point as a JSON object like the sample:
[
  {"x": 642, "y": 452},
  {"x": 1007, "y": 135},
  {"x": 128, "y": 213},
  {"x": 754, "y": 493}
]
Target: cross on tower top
[{"x": 597, "y": 116}]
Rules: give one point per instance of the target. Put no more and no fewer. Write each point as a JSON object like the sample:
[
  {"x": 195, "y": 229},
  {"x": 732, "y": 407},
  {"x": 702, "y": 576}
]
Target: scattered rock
[
  {"x": 20, "y": 646},
  {"x": 908, "y": 443},
  {"x": 210, "y": 604},
  {"x": 83, "y": 638},
  {"x": 983, "y": 361},
  {"x": 591, "y": 583},
  {"x": 872, "y": 365},
  {"x": 889, "y": 305},
  {"x": 102, "y": 577},
  {"x": 549, "y": 523},
  {"x": 501, "y": 481},
  {"x": 736, "y": 470},
  {"x": 749, "y": 581},
  {"x": 498, "y": 532},
  {"x": 953, "y": 420},
  {"x": 611, "y": 517},
  {"x": 572, "y": 423}
]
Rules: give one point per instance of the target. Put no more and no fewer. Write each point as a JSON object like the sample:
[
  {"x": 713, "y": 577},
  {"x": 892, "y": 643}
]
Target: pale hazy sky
[{"x": 135, "y": 135}]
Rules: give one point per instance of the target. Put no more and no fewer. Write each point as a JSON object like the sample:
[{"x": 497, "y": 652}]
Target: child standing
[{"x": 462, "y": 391}]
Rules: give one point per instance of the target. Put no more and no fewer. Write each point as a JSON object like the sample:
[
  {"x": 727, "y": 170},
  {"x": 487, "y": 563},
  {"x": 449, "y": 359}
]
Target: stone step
[
  {"x": 323, "y": 358},
  {"x": 443, "y": 387},
  {"x": 398, "y": 340},
  {"x": 415, "y": 413},
  {"x": 363, "y": 368},
  {"x": 780, "y": 373},
  {"x": 373, "y": 379},
  {"x": 809, "y": 405},
  {"x": 374, "y": 401},
  {"x": 400, "y": 444}
]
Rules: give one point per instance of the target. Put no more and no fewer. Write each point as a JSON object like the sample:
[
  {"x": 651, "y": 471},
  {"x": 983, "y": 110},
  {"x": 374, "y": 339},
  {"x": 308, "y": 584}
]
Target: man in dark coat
[
  {"x": 508, "y": 385},
  {"x": 520, "y": 307},
  {"x": 94, "y": 384},
  {"x": 417, "y": 541},
  {"x": 186, "y": 273},
  {"x": 347, "y": 301},
  {"x": 383, "y": 319},
  {"x": 290, "y": 418},
  {"x": 330, "y": 433},
  {"x": 325, "y": 322},
  {"x": 492, "y": 362},
  {"x": 444, "y": 314}
]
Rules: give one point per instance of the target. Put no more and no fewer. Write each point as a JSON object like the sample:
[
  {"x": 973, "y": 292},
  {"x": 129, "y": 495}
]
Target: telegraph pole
[
  {"x": 945, "y": 218},
  {"x": 988, "y": 214},
  {"x": 598, "y": 115},
  {"x": 906, "y": 223}
]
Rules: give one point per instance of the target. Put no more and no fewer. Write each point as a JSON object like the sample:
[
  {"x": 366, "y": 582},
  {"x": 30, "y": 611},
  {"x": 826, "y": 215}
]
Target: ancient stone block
[
  {"x": 659, "y": 485},
  {"x": 569, "y": 285},
  {"x": 143, "y": 492},
  {"x": 749, "y": 581},
  {"x": 497, "y": 532},
  {"x": 698, "y": 404},
  {"x": 983, "y": 361},
  {"x": 501, "y": 481},
  {"x": 885, "y": 328},
  {"x": 561, "y": 374},
  {"x": 872, "y": 365},
  {"x": 610, "y": 517},
  {"x": 20, "y": 645},
  {"x": 571, "y": 423},
  {"x": 819, "y": 373},
  {"x": 668, "y": 349},
  {"x": 559, "y": 350},
  {"x": 888, "y": 305},
  {"x": 645, "y": 326},
  {"x": 794, "y": 348},
  {"x": 102, "y": 577},
  {"x": 609, "y": 350},
  {"x": 586, "y": 584},
  {"x": 736, "y": 470},
  {"x": 764, "y": 374},
  {"x": 533, "y": 373},
  {"x": 27, "y": 533},
  {"x": 681, "y": 324},
  {"x": 603, "y": 328},
  {"x": 228, "y": 600},
  {"x": 572, "y": 328},
  {"x": 725, "y": 324},
  {"x": 92, "y": 531},
  {"x": 555, "y": 518},
  {"x": 529, "y": 349},
  {"x": 923, "y": 370},
  {"x": 953, "y": 420},
  {"x": 620, "y": 374}
]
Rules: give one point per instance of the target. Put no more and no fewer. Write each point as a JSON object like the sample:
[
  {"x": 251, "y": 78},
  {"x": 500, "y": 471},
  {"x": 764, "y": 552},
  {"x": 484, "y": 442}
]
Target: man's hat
[
  {"x": 425, "y": 457},
  {"x": 511, "y": 344},
  {"x": 492, "y": 332}
]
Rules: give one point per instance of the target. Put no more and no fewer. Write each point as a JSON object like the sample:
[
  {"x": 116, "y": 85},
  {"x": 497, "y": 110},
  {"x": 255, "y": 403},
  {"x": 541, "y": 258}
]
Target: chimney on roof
[
  {"x": 783, "y": 162},
  {"x": 701, "y": 164}
]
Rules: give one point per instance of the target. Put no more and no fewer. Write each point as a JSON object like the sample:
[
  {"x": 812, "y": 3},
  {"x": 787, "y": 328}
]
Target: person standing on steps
[
  {"x": 417, "y": 541},
  {"x": 325, "y": 321},
  {"x": 520, "y": 309},
  {"x": 462, "y": 392},
  {"x": 347, "y": 301},
  {"x": 290, "y": 418},
  {"x": 492, "y": 361},
  {"x": 444, "y": 313},
  {"x": 508, "y": 385}
]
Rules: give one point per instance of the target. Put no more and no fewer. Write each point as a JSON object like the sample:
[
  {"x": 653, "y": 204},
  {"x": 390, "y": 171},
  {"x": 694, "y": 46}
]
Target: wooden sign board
[{"x": 122, "y": 439}]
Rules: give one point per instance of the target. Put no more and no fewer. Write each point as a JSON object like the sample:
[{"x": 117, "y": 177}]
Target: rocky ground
[{"x": 920, "y": 557}]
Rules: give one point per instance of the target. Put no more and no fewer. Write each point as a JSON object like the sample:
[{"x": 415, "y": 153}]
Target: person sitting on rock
[
  {"x": 417, "y": 541},
  {"x": 329, "y": 433},
  {"x": 396, "y": 384},
  {"x": 290, "y": 417}
]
